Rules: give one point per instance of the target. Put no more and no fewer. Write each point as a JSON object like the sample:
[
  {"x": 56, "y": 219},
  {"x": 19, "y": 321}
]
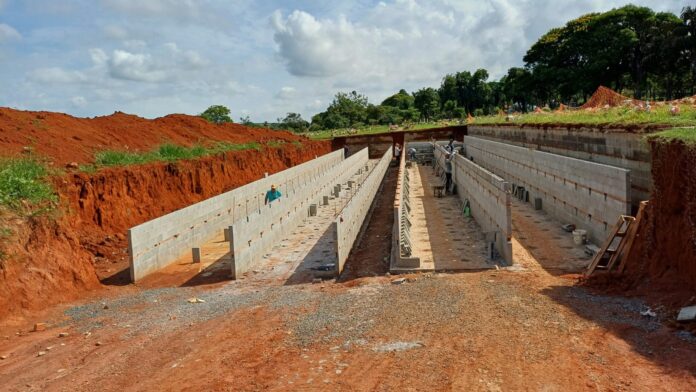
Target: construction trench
[
  {"x": 310, "y": 232},
  {"x": 363, "y": 277}
]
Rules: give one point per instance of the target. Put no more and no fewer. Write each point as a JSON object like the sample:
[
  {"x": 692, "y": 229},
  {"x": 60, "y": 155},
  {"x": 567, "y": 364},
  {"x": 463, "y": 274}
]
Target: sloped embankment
[
  {"x": 662, "y": 261},
  {"x": 57, "y": 258}
]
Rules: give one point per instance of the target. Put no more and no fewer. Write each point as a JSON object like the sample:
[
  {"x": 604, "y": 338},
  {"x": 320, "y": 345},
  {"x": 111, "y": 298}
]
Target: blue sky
[{"x": 259, "y": 58}]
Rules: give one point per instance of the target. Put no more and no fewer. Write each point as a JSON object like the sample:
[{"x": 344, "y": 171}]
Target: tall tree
[{"x": 427, "y": 101}]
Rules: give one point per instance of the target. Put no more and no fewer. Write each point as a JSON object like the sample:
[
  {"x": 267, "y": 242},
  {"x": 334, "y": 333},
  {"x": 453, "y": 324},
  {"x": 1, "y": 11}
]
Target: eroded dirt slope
[
  {"x": 57, "y": 257},
  {"x": 662, "y": 262}
]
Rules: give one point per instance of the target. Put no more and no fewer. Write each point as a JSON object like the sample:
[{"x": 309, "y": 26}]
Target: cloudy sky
[{"x": 260, "y": 58}]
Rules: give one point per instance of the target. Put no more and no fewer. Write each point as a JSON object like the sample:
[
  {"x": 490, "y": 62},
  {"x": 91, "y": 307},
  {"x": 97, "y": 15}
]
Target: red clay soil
[
  {"x": 371, "y": 255},
  {"x": 66, "y": 139},
  {"x": 662, "y": 262},
  {"x": 56, "y": 258},
  {"x": 605, "y": 96}
]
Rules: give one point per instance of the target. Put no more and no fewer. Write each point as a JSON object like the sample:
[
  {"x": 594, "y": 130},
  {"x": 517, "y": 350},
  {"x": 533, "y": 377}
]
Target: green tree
[
  {"x": 293, "y": 122},
  {"x": 217, "y": 114},
  {"x": 401, "y": 100},
  {"x": 245, "y": 121},
  {"x": 688, "y": 42},
  {"x": 427, "y": 101}
]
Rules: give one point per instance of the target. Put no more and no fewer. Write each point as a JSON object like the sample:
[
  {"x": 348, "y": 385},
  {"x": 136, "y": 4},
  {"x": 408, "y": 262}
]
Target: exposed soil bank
[
  {"x": 64, "y": 139},
  {"x": 56, "y": 258},
  {"x": 662, "y": 262}
]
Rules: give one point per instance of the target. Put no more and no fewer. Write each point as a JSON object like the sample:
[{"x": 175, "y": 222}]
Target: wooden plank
[
  {"x": 632, "y": 236},
  {"x": 598, "y": 257},
  {"x": 619, "y": 249}
]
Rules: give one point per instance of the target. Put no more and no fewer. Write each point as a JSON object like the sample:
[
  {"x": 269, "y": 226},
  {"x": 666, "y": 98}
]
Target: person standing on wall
[
  {"x": 397, "y": 151},
  {"x": 272, "y": 194},
  {"x": 448, "y": 172}
]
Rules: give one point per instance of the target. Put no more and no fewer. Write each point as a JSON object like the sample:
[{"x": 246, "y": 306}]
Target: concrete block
[
  {"x": 325, "y": 201},
  {"x": 312, "y": 210},
  {"x": 196, "y": 252}
]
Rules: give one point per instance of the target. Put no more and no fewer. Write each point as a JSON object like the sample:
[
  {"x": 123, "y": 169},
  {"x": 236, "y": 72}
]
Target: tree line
[{"x": 631, "y": 49}]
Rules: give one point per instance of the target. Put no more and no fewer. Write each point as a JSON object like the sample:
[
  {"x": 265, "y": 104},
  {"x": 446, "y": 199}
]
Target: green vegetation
[
  {"x": 275, "y": 143},
  {"x": 164, "y": 153},
  {"x": 633, "y": 50},
  {"x": 373, "y": 129},
  {"x": 24, "y": 180},
  {"x": 619, "y": 116},
  {"x": 686, "y": 135},
  {"x": 217, "y": 114}
]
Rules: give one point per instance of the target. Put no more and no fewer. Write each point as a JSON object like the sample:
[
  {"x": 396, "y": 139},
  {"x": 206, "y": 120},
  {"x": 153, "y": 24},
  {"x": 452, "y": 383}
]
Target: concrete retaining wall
[
  {"x": 614, "y": 147},
  {"x": 401, "y": 230},
  {"x": 159, "y": 242},
  {"x": 260, "y": 231},
  {"x": 351, "y": 218},
  {"x": 587, "y": 194},
  {"x": 489, "y": 200}
]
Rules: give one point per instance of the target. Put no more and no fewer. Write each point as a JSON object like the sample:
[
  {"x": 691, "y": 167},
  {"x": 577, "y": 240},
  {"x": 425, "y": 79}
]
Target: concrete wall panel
[
  {"x": 350, "y": 220},
  {"x": 614, "y": 147},
  {"x": 489, "y": 199},
  {"x": 260, "y": 231},
  {"x": 587, "y": 194},
  {"x": 159, "y": 242}
]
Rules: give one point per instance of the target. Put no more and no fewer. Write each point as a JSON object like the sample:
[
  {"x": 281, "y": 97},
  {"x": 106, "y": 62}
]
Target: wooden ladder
[{"x": 618, "y": 244}]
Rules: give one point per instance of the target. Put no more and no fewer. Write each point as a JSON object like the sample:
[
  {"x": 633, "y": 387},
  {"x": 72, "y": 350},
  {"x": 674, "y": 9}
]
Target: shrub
[{"x": 24, "y": 179}]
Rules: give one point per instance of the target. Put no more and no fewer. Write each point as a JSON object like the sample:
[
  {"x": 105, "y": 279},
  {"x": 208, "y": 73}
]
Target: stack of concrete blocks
[
  {"x": 255, "y": 236},
  {"x": 399, "y": 259},
  {"x": 489, "y": 200},
  {"x": 157, "y": 243},
  {"x": 589, "y": 195},
  {"x": 351, "y": 218}
]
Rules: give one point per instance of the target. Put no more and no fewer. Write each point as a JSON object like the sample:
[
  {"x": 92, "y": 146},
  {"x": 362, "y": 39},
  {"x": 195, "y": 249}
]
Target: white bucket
[{"x": 579, "y": 236}]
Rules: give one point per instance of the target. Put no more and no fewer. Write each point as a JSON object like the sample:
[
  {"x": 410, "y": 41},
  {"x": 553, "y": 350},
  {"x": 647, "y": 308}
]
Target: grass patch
[
  {"x": 373, "y": 129},
  {"x": 164, "y": 153},
  {"x": 24, "y": 180},
  {"x": 686, "y": 135},
  {"x": 619, "y": 116},
  {"x": 275, "y": 143}
]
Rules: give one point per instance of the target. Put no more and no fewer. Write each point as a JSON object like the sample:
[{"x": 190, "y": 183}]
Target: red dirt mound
[
  {"x": 67, "y": 139},
  {"x": 57, "y": 258},
  {"x": 662, "y": 262},
  {"x": 605, "y": 96}
]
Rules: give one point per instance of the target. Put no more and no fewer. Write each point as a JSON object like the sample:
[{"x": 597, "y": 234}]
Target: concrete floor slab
[{"x": 441, "y": 236}]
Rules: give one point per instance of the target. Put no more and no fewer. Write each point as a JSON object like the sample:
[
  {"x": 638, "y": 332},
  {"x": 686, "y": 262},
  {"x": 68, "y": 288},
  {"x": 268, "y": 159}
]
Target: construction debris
[
  {"x": 687, "y": 313},
  {"x": 195, "y": 300},
  {"x": 39, "y": 327}
]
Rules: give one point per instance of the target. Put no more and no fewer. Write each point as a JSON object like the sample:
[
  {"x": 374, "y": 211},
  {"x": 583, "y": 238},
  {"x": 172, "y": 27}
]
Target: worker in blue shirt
[{"x": 272, "y": 194}]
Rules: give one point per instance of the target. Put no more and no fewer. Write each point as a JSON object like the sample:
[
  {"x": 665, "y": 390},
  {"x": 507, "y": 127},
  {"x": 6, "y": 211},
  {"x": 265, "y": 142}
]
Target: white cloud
[
  {"x": 177, "y": 8},
  {"x": 115, "y": 32},
  {"x": 56, "y": 75},
  {"x": 135, "y": 66},
  {"x": 8, "y": 33},
  {"x": 78, "y": 101},
  {"x": 286, "y": 93},
  {"x": 167, "y": 65},
  {"x": 318, "y": 48}
]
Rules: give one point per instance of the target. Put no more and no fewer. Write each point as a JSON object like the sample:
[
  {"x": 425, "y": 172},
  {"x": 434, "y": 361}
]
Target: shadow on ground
[{"x": 673, "y": 350}]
